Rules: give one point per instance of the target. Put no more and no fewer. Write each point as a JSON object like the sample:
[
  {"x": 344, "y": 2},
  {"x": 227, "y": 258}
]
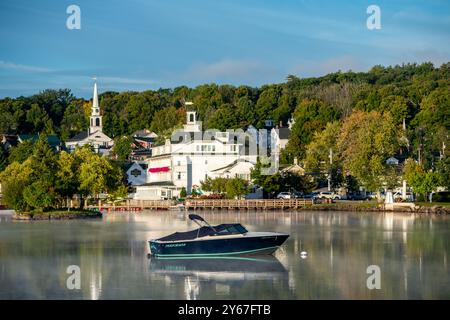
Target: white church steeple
[{"x": 96, "y": 118}]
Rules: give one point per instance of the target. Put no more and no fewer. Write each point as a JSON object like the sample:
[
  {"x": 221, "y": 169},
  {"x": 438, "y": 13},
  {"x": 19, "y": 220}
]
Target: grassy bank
[
  {"x": 57, "y": 215},
  {"x": 347, "y": 206},
  {"x": 419, "y": 207}
]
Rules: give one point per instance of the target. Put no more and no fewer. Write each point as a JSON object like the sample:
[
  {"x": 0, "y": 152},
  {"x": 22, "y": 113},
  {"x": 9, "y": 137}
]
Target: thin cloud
[
  {"x": 319, "y": 68},
  {"x": 228, "y": 69},
  {"x": 121, "y": 80},
  {"x": 22, "y": 67}
]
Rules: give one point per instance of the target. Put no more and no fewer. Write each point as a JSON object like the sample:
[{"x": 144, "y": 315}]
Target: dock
[
  {"x": 263, "y": 204},
  {"x": 202, "y": 204},
  {"x": 134, "y": 205}
]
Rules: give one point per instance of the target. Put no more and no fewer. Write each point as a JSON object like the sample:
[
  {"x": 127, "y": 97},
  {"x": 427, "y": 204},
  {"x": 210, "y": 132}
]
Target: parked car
[
  {"x": 356, "y": 196},
  {"x": 329, "y": 195},
  {"x": 297, "y": 195},
  {"x": 284, "y": 195}
]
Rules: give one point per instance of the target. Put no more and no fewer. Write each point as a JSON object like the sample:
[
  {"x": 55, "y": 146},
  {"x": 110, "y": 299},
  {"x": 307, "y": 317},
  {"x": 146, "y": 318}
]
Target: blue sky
[{"x": 148, "y": 44}]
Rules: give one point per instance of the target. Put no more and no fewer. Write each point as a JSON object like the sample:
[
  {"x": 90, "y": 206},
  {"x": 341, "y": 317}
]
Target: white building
[
  {"x": 195, "y": 156},
  {"x": 94, "y": 135},
  {"x": 392, "y": 161}
]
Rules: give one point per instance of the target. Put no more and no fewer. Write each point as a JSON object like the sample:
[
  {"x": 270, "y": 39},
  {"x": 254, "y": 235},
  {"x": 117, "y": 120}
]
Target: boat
[{"x": 220, "y": 240}]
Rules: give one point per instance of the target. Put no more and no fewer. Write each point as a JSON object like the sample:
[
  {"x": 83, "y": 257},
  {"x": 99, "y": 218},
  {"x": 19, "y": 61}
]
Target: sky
[{"x": 149, "y": 44}]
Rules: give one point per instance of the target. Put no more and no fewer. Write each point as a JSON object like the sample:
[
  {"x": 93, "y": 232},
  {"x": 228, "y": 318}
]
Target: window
[
  {"x": 191, "y": 118},
  {"x": 206, "y": 161},
  {"x": 97, "y": 122},
  {"x": 178, "y": 163},
  {"x": 179, "y": 175}
]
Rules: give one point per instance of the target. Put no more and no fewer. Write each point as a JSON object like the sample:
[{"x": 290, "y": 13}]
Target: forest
[{"x": 344, "y": 111}]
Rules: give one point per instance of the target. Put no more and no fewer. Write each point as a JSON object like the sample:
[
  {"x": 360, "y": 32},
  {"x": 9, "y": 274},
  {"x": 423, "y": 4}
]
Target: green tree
[
  {"x": 21, "y": 151},
  {"x": 14, "y": 179},
  {"x": 167, "y": 118},
  {"x": 317, "y": 159},
  {"x": 67, "y": 182},
  {"x": 236, "y": 188},
  {"x": 422, "y": 182},
  {"x": 122, "y": 147},
  {"x": 183, "y": 193},
  {"x": 40, "y": 194},
  {"x": 310, "y": 116},
  {"x": 3, "y": 157},
  {"x": 365, "y": 141}
]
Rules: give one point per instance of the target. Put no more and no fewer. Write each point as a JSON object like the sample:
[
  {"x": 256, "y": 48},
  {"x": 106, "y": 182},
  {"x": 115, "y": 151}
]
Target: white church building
[
  {"x": 94, "y": 135},
  {"x": 186, "y": 163}
]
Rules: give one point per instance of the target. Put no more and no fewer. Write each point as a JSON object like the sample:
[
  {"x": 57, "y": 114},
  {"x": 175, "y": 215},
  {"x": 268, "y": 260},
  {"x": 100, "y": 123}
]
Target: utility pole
[
  {"x": 329, "y": 173},
  {"x": 443, "y": 150}
]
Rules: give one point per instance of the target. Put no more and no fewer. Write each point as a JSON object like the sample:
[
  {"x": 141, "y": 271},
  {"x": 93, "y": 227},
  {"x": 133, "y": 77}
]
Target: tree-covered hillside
[{"x": 419, "y": 95}]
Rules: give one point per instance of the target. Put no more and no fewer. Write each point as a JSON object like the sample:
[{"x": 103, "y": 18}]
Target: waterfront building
[
  {"x": 94, "y": 136},
  {"x": 190, "y": 157},
  {"x": 143, "y": 141}
]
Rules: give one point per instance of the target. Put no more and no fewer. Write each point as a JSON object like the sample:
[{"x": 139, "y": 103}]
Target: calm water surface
[{"x": 412, "y": 253}]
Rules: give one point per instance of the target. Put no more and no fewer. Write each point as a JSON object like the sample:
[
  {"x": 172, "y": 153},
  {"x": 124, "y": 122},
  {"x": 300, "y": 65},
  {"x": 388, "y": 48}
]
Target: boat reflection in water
[
  {"x": 217, "y": 273},
  {"x": 220, "y": 268}
]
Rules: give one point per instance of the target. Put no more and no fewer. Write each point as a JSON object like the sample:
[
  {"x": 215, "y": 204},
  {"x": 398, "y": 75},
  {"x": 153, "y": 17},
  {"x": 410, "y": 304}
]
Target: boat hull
[{"x": 266, "y": 244}]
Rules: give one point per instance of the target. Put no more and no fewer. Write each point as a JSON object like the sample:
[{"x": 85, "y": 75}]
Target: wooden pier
[
  {"x": 134, "y": 205},
  {"x": 201, "y": 204},
  {"x": 263, "y": 204}
]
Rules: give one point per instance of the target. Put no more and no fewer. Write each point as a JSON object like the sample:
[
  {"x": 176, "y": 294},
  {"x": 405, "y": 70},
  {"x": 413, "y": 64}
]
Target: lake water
[{"x": 412, "y": 253}]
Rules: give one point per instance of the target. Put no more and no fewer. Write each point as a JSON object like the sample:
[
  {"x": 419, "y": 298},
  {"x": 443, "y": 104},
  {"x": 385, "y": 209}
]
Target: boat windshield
[
  {"x": 233, "y": 229},
  {"x": 222, "y": 229}
]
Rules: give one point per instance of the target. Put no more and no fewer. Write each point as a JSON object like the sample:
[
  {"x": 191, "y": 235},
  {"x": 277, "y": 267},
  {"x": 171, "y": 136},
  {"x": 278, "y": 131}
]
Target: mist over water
[{"x": 411, "y": 251}]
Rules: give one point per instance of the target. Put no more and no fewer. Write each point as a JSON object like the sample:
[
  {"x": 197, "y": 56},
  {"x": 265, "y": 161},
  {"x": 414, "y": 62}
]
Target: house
[
  {"x": 294, "y": 169},
  {"x": 279, "y": 138},
  {"x": 136, "y": 173},
  {"x": 94, "y": 136},
  {"x": 9, "y": 140},
  {"x": 52, "y": 139},
  {"x": 392, "y": 161},
  {"x": 190, "y": 157},
  {"x": 144, "y": 138},
  {"x": 143, "y": 141}
]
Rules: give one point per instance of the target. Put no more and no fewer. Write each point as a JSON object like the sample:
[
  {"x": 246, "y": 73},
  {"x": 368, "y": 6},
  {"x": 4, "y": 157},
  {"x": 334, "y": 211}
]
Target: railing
[
  {"x": 248, "y": 204},
  {"x": 135, "y": 204},
  {"x": 130, "y": 205}
]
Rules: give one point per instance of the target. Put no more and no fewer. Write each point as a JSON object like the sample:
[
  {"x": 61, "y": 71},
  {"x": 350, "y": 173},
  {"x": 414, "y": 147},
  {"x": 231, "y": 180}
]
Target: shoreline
[
  {"x": 336, "y": 206},
  {"x": 57, "y": 215}
]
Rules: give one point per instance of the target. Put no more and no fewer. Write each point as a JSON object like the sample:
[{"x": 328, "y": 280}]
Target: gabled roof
[
  {"x": 52, "y": 139},
  {"x": 78, "y": 137},
  {"x": 231, "y": 165},
  {"x": 159, "y": 183},
  {"x": 295, "y": 169}
]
